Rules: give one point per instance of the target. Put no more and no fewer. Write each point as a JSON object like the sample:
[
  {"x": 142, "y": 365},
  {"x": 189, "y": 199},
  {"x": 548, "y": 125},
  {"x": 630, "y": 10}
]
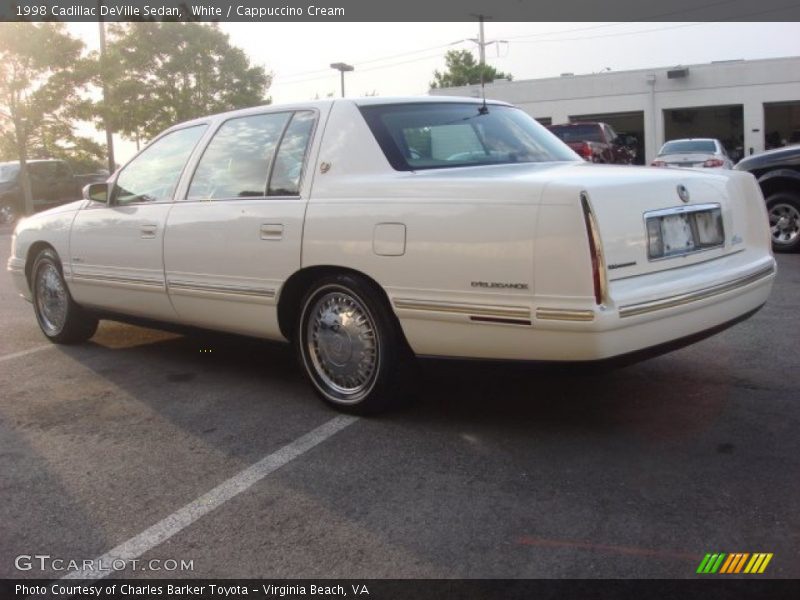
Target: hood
[
  {"x": 790, "y": 155},
  {"x": 45, "y": 215}
]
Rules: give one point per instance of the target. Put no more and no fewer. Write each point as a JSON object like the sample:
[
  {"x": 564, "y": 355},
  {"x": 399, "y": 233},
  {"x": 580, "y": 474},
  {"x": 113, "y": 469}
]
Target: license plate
[{"x": 683, "y": 231}]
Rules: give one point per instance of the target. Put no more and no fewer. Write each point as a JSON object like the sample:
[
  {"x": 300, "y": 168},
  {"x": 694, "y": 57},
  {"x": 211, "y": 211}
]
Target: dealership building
[{"x": 750, "y": 105}]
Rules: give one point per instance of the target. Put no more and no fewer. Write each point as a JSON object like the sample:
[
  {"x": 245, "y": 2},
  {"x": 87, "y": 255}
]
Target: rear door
[
  {"x": 117, "y": 248},
  {"x": 235, "y": 237}
]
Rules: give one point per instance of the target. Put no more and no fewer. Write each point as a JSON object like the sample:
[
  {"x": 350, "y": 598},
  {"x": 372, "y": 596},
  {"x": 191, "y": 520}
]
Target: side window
[
  {"x": 288, "y": 167},
  {"x": 237, "y": 160},
  {"x": 153, "y": 175}
]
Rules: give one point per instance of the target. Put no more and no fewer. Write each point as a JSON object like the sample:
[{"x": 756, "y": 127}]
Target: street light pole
[{"x": 342, "y": 67}]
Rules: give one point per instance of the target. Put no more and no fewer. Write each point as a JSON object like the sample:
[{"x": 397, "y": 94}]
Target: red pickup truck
[{"x": 595, "y": 142}]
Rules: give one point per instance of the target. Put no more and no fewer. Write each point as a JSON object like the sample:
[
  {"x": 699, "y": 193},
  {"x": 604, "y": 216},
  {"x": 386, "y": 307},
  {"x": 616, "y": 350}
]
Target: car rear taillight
[
  {"x": 658, "y": 163},
  {"x": 713, "y": 162},
  {"x": 596, "y": 251},
  {"x": 585, "y": 151}
]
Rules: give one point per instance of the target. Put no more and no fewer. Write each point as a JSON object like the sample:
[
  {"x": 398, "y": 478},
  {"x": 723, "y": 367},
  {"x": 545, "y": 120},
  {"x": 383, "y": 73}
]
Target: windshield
[
  {"x": 8, "y": 172},
  {"x": 430, "y": 136},
  {"x": 689, "y": 146},
  {"x": 578, "y": 133}
]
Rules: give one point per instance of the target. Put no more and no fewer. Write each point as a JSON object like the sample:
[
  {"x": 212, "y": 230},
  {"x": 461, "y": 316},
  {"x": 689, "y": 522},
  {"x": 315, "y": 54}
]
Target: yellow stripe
[
  {"x": 761, "y": 557},
  {"x": 752, "y": 563},
  {"x": 725, "y": 566},
  {"x": 765, "y": 563},
  {"x": 741, "y": 562}
]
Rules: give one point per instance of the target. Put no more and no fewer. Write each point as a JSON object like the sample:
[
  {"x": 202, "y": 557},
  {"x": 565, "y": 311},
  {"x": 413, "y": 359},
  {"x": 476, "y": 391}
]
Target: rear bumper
[{"x": 646, "y": 314}]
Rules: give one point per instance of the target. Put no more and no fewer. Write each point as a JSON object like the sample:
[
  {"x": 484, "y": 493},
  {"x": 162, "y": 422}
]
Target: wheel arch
[
  {"x": 293, "y": 290},
  {"x": 780, "y": 180},
  {"x": 30, "y": 258}
]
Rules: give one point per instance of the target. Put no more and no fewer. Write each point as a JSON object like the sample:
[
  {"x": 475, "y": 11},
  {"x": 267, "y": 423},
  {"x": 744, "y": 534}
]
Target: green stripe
[
  {"x": 703, "y": 564},
  {"x": 718, "y": 564},
  {"x": 711, "y": 562}
]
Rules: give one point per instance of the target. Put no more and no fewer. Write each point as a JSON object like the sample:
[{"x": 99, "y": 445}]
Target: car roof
[
  {"x": 366, "y": 101},
  {"x": 31, "y": 161},
  {"x": 693, "y": 140}
]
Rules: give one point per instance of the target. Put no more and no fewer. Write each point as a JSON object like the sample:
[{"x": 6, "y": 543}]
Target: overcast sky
[{"x": 399, "y": 58}]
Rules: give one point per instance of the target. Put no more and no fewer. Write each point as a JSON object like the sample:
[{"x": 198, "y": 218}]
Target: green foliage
[
  {"x": 463, "y": 69},
  {"x": 159, "y": 74},
  {"x": 42, "y": 74}
]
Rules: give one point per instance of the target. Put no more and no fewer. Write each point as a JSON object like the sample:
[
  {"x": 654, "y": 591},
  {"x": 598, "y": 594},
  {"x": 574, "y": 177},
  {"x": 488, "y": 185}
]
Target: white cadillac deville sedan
[{"x": 368, "y": 231}]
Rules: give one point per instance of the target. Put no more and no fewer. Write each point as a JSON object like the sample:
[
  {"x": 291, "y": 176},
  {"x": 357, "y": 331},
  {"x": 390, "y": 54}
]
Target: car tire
[
  {"x": 784, "y": 221},
  {"x": 351, "y": 346},
  {"x": 8, "y": 213},
  {"x": 61, "y": 320}
]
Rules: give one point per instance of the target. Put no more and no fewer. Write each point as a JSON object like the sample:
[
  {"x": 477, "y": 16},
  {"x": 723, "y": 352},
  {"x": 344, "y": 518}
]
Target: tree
[
  {"x": 42, "y": 73},
  {"x": 159, "y": 74},
  {"x": 462, "y": 69}
]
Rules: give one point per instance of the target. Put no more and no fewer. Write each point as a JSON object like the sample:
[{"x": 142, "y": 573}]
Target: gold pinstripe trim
[
  {"x": 221, "y": 289},
  {"x": 641, "y": 308},
  {"x": 564, "y": 314},
  {"x": 478, "y": 310}
]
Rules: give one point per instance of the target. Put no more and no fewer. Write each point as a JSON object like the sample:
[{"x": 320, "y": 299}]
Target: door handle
[
  {"x": 272, "y": 231},
  {"x": 148, "y": 231}
]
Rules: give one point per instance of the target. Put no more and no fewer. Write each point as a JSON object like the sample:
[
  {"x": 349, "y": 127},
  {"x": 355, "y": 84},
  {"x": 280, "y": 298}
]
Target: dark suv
[
  {"x": 778, "y": 174},
  {"x": 52, "y": 183}
]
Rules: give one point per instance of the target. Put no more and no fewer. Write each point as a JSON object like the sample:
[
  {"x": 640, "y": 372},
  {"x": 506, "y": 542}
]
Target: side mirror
[{"x": 96, "y": 192}]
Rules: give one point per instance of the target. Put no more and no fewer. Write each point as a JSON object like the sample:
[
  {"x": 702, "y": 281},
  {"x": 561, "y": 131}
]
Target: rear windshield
[
  {"x": 430, "y": 136},
  {"x": 578, "y": 133},
  {"x": 8, "y": 172},
  {"x": 689, "y": 146}
]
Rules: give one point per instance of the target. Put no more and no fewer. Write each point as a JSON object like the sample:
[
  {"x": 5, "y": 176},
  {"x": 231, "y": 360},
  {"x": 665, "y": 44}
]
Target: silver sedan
[{"x": 698, "y": 153}]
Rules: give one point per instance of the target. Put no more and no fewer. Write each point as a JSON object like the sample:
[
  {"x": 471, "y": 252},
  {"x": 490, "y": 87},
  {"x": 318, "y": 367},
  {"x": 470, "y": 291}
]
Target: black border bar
[{"x": 266, "y": 11}]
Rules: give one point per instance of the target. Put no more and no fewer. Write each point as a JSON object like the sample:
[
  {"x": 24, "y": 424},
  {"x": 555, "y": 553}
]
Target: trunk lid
[
  {"x": 622, "y": 198},
  {"x": 685, "y": 160}
]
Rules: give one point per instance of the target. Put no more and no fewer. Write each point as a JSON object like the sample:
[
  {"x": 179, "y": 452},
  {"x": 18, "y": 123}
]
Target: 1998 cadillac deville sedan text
[{"x": 367, "y": 231}]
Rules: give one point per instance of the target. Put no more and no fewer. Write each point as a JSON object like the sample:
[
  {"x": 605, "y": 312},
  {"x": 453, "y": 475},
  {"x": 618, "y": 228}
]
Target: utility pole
[
  {"x": 481, "y": 40},
  {"x": 342, "y": 67},
  {"x": 112, "y": 165}
]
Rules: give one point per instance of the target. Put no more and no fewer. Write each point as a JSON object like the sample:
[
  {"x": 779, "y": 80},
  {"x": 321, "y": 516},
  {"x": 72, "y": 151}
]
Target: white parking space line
[
  {"x": 6, "y": 357},
  {"x": 183, "y": 517}
]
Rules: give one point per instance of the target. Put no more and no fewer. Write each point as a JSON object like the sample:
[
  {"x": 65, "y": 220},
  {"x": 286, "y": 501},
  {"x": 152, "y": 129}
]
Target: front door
[
  {"x": 236, "y": 236},
  {"x": 116, "y": 249}
]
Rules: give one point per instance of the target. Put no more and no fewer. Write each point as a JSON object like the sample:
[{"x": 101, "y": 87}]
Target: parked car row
[
  {"x": 52, "y": 183},
  {"x": 777, "y": 171},
  {"x": 369, "y": 231}
]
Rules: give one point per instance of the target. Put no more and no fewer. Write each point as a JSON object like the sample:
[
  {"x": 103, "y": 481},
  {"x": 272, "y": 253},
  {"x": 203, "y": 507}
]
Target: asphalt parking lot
[{"x": 493, "y": 471}]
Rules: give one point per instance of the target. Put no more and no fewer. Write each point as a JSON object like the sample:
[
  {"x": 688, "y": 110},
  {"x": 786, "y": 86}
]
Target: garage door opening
[
  {"x": 725, "y": 123},
  {"x": 628, "y": 124},
  {"x": 781, "y": 124}
]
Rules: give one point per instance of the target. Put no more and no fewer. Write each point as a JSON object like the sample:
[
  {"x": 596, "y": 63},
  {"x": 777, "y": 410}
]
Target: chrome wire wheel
[
  {"x": 342, "y": 344},
  {"x": 784, "y": 223},
  {"x": 52, "y": 300}
]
